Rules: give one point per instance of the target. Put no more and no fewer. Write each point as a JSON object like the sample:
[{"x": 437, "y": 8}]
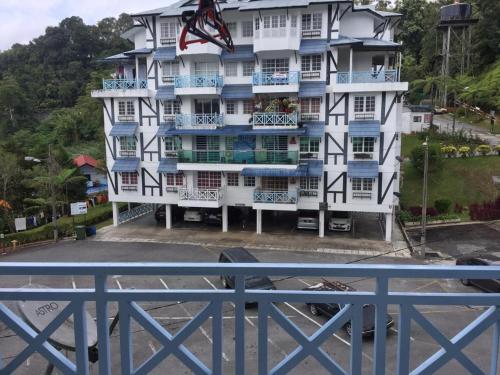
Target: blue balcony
[
  {"x": 384, "y": 76},
  {"x": 276, "y": 79},
  {"x": 275, "y": 197},
  {"x": 199, "y": 121},
  {"x": 275, "y": 120},
  {"x": 123, "y": 358},
  {"x": 199, "y": 81},
  {"x": 124, "y": 84}
]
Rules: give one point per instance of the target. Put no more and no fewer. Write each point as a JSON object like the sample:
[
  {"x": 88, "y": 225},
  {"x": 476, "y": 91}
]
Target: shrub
[
  {"x": 431, "y": 211},
  {"x": 458, "y": 208},
  {"x": 449, "y": 150},
  {"x": 497, "y": 149},
  {"x": 416, "y": 211},
  {"x": 442, "y": 205},
  {"x": 464, "y": 151},
  {"x": 418, "y": 154},
  {"x": 483, "y": 149},
  {"x": 485, "y": 211}
]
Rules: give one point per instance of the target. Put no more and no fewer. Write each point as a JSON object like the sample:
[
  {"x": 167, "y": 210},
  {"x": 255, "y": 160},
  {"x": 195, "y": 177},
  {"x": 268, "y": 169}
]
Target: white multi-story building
[{"x": 304, "y": 115}]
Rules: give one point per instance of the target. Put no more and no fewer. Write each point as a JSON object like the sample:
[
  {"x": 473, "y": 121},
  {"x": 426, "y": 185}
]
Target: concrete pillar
[
  {"x": 168, "y": 216},
  {"x": 321, "y": 224},
  {"x": 225, "y": 219},
  {"x": 351, "y": 62},
  {"x": 115, "y": 214},
  {"x": 129, "y": 206},
  {"x": 259, "y": 221},
  {"x": 388, "y": 227}
]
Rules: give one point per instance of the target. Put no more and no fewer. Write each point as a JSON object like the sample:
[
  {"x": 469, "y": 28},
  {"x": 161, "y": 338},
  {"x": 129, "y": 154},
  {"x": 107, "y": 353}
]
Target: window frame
[
  {"x": 231, "y": 107},
  {"x": 249, "y": 181},
  {"x": 130, "y": 178},
  {"x": 233, "y": 179}
]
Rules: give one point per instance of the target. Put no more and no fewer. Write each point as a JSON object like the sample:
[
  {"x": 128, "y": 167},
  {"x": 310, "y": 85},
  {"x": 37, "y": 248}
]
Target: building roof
[
  {"x": 362, "y": 169},
  {"x": 364, "y": 128},
  {"x": 83, "y": 160},
  {"x": 168, "y": 165},
  {"x": 365, "y": 43},
  {"x": 241, "y": 53},
  {"x": 312, "y": 89},
  {"x": 165, "y": 54},
  {"x": 165, "y": 93}
]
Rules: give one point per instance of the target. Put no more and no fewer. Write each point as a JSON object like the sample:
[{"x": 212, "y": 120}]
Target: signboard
[
  {"x": 79, "y": 208},
  {"x": 20, "y": 224}
]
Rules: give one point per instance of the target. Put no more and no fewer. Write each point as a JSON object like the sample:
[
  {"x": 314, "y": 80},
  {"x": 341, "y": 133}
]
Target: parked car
[
  {"x": 212, "y": 218},
  {"x": 340, "y": 221},
  {"x": 161, "y": 217},
  {"x": 193, "y": 216},
  {"x": 331, "y": 309},
  {"x": 307, "y": 221},
  {"x": 440, "y": 110},
  {"x": 488, "y": 285},
  {"x": 241, "y": 255}
]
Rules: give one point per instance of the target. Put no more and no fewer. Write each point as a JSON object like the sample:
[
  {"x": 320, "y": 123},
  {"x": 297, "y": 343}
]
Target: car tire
[
  {"x": 314, "y": 310},
  {"x": 223, "y": 281},
  {"x": 465, "y": 282},
  {"x": 348, "y": 329}
]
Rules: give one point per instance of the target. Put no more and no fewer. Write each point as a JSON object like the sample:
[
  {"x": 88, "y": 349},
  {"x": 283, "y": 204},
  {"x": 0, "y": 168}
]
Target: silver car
[
  {"x": 308, "y": 222},
  {"x": 340, "y": 221}
]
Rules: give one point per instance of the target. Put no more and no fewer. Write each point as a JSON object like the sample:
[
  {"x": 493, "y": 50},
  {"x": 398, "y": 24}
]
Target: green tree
[
  {"x": 417, "y": 158},
  {"x": 9, "y": 169}
]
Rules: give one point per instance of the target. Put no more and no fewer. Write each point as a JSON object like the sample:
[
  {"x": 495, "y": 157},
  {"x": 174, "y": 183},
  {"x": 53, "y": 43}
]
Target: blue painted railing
[
  {"x": 367, "y": 77},
  {"x": 199, "y": 80},
  {"x": 275, "y": 119},
  {"x": 124, "y": 84},
  {"x": 276, "y": 79},
  {"x": 204, "y": 121},
  {"x": 275, "y": 197},
  {"x": 128, "y": 300}
]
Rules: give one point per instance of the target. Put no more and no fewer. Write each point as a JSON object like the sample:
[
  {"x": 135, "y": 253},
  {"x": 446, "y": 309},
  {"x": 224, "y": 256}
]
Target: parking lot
[{"x": 173, "y": 315}]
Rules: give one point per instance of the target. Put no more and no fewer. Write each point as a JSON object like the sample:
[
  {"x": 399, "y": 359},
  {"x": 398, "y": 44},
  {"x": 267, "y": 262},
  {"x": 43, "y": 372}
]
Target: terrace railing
[
  {"x": 275, "y": 119},
  {"x": 238, "y": 157},
  {"x": 124, "y": 84},
  {"x": 367, "y": 77},
  {"x": 128, "y": 306},
  {"x": 199, "y": 121},
  {"x": 276, "y": 79},
  {"x": 275, "y": 197},
  {"x": 205, "y": 195},
  {"x": 199, "y": 80}
]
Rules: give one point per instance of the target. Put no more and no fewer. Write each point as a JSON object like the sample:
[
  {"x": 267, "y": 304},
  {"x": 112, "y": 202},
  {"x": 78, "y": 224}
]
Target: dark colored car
[
  {"x": 488, "y": 285},
  {"x": 160, "y": 215},
  {"x": 331, "y": 309},
  {"x": 240, "y": 255},
  {"x": 212, "y": 218}
]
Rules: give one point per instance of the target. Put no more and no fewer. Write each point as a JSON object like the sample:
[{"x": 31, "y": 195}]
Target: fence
[
  {"x": 276, "y": 197},
  {"x": 124, "y": 84},
  {"x": 135, "y": 213},
  {"x": 210, "y": 195},
  {"x": 367, "y": 77}
]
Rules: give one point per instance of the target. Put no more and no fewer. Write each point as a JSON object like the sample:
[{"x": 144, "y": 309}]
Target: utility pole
[
  {"x": 423, "y": 237},
  {"x": 454, "y": 111},
  {"x": 50, "y": 164}
]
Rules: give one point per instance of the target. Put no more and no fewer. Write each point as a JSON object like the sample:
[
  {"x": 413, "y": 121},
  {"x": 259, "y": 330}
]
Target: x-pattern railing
[
  {"x": 352, "y": 303},
  {"x": 367, "y": 77},
  {"x": 280, "y": 197},
  {"x": 124, "y": 84},
  {"x": 212, "y": 195},
  {"x": 199, "y": 80},
  {"x": 276, "y": 78},
  {"x": 199, "y": 121},
  {"x": 135, "y": 213},
  {"x": 275, "y": 119}
]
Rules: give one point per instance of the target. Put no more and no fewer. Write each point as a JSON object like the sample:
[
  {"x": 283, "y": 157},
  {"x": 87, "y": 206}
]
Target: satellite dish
[{"x": 39, "y": 314}]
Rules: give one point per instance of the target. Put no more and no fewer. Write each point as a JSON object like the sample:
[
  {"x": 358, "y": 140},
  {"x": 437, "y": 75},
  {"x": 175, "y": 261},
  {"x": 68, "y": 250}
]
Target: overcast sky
[{"x": 23, "y": 20}]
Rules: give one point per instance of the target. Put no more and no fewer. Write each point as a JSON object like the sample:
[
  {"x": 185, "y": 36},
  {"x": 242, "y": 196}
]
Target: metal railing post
[
  {"x": 381, "y": 291},
  {"x": 102, "y": 324},
  {"x": 495, "y": 348},
  {"x": 239, "y": 328}
]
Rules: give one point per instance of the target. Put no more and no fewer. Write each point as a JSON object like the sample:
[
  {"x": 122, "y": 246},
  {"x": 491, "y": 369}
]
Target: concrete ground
[
  {"x": 457, "y": 240},
  {"x": 445, "y": 124},
  {"x": 173, "y": 315},
  {"x": 280, "y": 232}
]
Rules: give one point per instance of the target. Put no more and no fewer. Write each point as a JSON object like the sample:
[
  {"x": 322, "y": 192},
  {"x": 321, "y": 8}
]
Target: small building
[
  {"x": 416, "y": 118},
  {"x": 96, "y": 177}
]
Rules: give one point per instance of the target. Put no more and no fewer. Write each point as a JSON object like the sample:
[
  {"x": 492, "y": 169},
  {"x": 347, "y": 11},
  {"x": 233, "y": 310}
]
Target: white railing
[
  {"x": 135, "y": 212},
  {"x": 275, "y": 197},
  {"x": 275, "y": 119},
  {"x": 206, "y": 195},
  {"x": 124, "y": 84},
  {"x": 204, "y": 121},
  {"x": 367, "y": 77}
]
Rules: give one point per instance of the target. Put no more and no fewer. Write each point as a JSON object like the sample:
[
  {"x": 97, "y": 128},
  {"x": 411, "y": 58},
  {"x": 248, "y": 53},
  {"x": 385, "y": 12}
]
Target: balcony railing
[
  {"x": 135, "y": 212},
  {"x": 362, "y": 195},
  {"x": 276, "y": 79},
  {"x": 199, "y": 81},
  {"x": 275, "y": 119},
  {"x": 275, "y": 197},
  {"x": 238, "y": 157},
  {"x": 123, "y": 359},
  {"x": 367, "y": 77},
  {"x": 201, "y": 194},
  {"x": 210, "y": 121},
  {"x": 124, "y": 84}
]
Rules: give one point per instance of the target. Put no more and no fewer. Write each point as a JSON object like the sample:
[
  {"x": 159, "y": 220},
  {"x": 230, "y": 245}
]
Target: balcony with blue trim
[
  {"x": 275, "y": 120},
  {"x": 122, "y": 88},
  {"x": 199, "y": 84},
  {"x": 370, "y": 80},
  {"x": 252, "y": 157},
  {"x": 233, "y": 346},
  {"x": 199, "y": 121},
  {"x": 277, "y": 82}
]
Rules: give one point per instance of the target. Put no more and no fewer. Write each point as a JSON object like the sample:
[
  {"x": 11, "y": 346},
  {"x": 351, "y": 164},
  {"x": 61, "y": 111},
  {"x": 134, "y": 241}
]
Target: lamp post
[
  {"x": 423, "y": 237},
  {"x": 53, "y": 203}
]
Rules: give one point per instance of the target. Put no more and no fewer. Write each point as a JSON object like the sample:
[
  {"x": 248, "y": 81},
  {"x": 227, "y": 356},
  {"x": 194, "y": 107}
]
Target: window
[
  {"x": 209, "y": 180},
  {"x": 275, "y": 143},
  {"x": 247, "y": 107},
  {"x": 312, "y": 24},
  {"x": 309, "y": 183},
  {"x": 257, "y": 24},
  {"x": 169, "y": 71},
  {"x": 271, "y": 66},
  {"x": 310, "y": 105},
  {"x": 128, "y": 146},
  {"x": 363, "y": 144},
  {"x": 206, "y": 67},
  {"x": 126, "y": 108},
  {"x": 275, "y": 183},
  {"x": 206, "y": 106},
  {"x": 233, "y": 179},
  {"x": 248, "y": 68},
  {"x": 231, "y": 107},
  {"x": 311, "y": 63},
  {"x": 173, "y": 143},
  {"x": 168, "y": 32},
  {"x": 309, "y": 145},
  {"x": 249, "y": 181},
  {"x": 362, "y": 184},
  {"x": 275, "y": 26},
  {"x": 364, "y": 104},
  {"x": 293, "y": 23},
  {"x": 230, "y": 141},
  {"x": 175, "y": 179},
  {"x": 233, "y": 29},
  {"x": 129, "y": 178},
  {"x": 231, "y": 69},
  {"x": 247, "y": 29},
  {"x": 171, "y": 107},
  {"x": 417, "y": 118}
]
